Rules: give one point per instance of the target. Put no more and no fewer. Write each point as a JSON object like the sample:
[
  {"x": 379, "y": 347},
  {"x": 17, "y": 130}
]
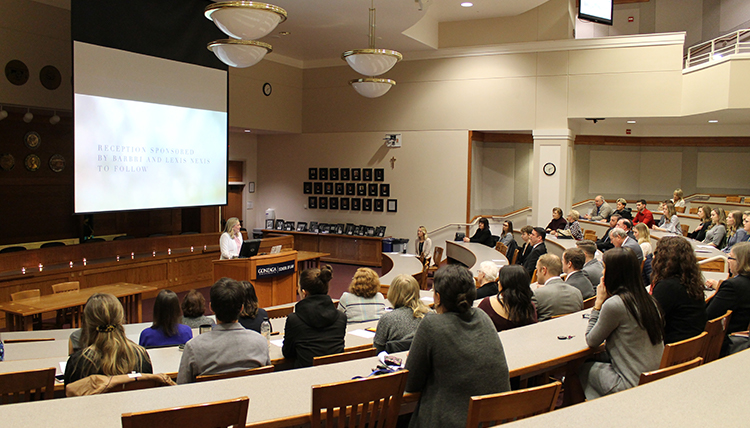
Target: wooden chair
[
  {"x": 12, "y": 249},
  {"x": 589, "y": 234},
  {"x": 344, "y": 356},
  {"x": 533, "y": 277},
  {"x": 685, "y": 228},
  {"x": 683, "y": 351},
  {"x": 217, "y": 414},
  {"x": 694, "y": 210},
  {"x": 67, "y": 315},
  {"x": 669, "y": 371},
  {"x": 279, "y": 312},
  {"x": 52, "y": 244},
  {"x": 493, "y": 409},
  {"x": 36, "y": 320},
  {"x": 437, "y": 257},
  {"x": 716, "y": 329},
  {"x": 515, "y": 256},
  {"x": 422, "y": 276},
  {"x": 735, "y": 199},
  {"x": 589, "y": 303},
  {"x": 32, "y": 385},
  {"x": 364, "y": 402},
  {"x": 236, "y": 373},
  {"x": 501, "y": 247},
  {"x": 680, "y": 210}
]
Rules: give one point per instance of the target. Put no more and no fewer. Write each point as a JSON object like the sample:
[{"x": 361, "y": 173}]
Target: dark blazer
[
  {"x": 604, "y": 244},
  {"x": 524, "y": 254},
  {"x": 734, "y": 294},
  {"x": 530, "y": 263},
  {"x": 483, "y": 236}
]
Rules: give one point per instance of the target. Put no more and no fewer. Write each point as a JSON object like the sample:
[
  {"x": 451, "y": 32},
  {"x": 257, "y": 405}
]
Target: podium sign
[
  {"x": 274, "y": 276},
  {"x": 276, "y": 269}
]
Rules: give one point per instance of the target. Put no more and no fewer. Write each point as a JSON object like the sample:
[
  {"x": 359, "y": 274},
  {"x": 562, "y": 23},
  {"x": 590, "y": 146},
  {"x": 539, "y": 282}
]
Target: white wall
[{"x": 244, "y": 147}]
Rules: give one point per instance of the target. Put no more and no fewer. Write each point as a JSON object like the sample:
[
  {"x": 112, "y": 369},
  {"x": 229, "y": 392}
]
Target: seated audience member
[
  {"x": 643, "y": 215},
  {"x": 669, "y": 221},
  {"x": 601, "y": 211},
  {"x": 423, "y": 244},
  {"x": 715, "y": 234},
  {"x": 166, "y": 329},
  {"x": 228, "y": 346},
  {"x": 554, "y": 297},
  {"x": 572, "y": 262},
  {"x": 193, "y": 310},
  {"x": 315, "y": 328},
  {"x": 627, "y": 226},
  {"x": 677, "y": 199},
  {"x": 593, "y": 268},
  {"x": 455, "y": 355},
  {"x": 557, "y": 222},
  {"x": 643, "y": 236},
  {"x": 603, "y": 244},
  {"x": 363, "y": 301},
  {"x": 678, "y": 287},
  {"x": 230, "y": 241},
  {"x": 106, "y": 349},
  {"x": 538, "y": 248},
  {"x": 627, "y": 320},
  {"x": 483, "y": 234},
  {"x": 622, "y": 210},
  {"x": 512, "y": 306},
  {"x": 487, "y": 279},
  {"x": 251, "y": 316},
  {"x": 396, "y": 328},
  {"x": 704, "y": 215},
  {"x": 740, "y": 225},
  {"x": 620, "y": 239},
  {"x": 733, "y": 293},
  {"x": 527, "y": 246},
  {"x": 572, "y": 228},
  {"x": 507, "y": 235}
]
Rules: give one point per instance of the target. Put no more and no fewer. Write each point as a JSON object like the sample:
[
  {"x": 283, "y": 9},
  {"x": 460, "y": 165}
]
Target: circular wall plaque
[
  {"x": 7, "y": 161},
  {"x": 16, "y": 72},
  {"x": 57, "y": 163},
  {"x": 32, "y": 162},
  {"x": 32, "y": 140},
  {"x": 50, "y": 77}
]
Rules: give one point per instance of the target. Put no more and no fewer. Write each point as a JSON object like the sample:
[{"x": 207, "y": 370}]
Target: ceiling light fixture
[
  {"x": 372, "y": 62},
  {"x": 467, "y": 4},
  {"x": 244, "y": 22},
  {"x": 631, "y": 121},
  {"x": 713, "y": 121},
  {"x": 29, "y": 116}
]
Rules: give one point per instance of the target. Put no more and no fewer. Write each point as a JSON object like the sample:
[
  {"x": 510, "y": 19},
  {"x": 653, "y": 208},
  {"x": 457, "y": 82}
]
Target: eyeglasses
[{"x": 731, "y": 258}]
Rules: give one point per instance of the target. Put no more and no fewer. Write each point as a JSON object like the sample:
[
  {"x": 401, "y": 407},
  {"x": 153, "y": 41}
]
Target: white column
[{"x": 555, "y": 147}]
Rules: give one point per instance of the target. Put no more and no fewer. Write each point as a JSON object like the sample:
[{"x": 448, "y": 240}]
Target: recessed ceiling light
[
  {"x": 631, "y": 121},
  {"x": 284, "y": 33},
  {"x": 467, "y": 4},
  {"x": 247, "y": 130},
  {"x": 713, "y": 121}
]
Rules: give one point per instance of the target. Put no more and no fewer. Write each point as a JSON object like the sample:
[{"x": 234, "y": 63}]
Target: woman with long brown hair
[{"x": 678, "y": 287}]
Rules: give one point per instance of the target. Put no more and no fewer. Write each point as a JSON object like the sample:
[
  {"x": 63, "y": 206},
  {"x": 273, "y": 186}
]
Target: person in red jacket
[{"x": 644, "y": 215}]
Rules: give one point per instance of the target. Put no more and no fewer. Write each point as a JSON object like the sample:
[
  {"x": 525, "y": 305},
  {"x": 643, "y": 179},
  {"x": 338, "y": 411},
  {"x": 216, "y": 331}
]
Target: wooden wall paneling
[
  {"x": 209, "y": 219},
  {"x": 234, "y": 171},
  {"x": 306, "y": 242},
  {"x": 370, "y": 251}
]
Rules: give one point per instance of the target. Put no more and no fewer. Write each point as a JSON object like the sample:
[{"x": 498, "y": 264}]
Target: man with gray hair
[
  {"x": 554, "y": 297},
  {"x": 601, "y": 210},
  {"x": 620, "y": 239},
  {"x": 487, "y": 279}
]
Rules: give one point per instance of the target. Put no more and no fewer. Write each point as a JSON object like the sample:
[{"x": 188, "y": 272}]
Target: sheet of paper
[
  {"x": 363, "y": 333},
  {"x": 62, "y": 366},
  {"x": 278, "y": 342}
]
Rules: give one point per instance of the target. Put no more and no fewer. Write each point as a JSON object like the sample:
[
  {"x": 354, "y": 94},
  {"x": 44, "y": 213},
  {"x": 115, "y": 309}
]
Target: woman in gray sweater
[
  {"x": 396, "y": 328},
  {"x": 455, "y": 355},
  {"x": 715, "y": 235},
  {"x": 628, "y": 319}
]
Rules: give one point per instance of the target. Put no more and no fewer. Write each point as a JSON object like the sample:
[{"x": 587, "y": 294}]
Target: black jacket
[
  {"x": 530, "y": 263},
  {"x": 483, "y": 236},
  {"x": 314, "y": 329}
]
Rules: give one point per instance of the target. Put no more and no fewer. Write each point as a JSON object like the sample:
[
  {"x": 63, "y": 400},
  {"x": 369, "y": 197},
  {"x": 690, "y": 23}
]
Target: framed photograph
[
  {"x": 301, "y": 226},
  {"x": 307, "y": 187},
  {"x": 372, "y": 190},
  {"x": 323, "y": 203},
  {"x": 333, "y": 203},
  {"x": 357, "y": 230},
  {"x": 380, "y": 231},
  {"x": 340, "y": 228},
  {"x": 367, "y": 204},
  {"x": 312, "y": 203},
  {"x": 333, "y": 173},
  {"x": 361, "y": 230},
  {"x": 324, "y": 228},
  {"x": 288, "y": 226},
  {"x": 361, "y": 189},
  {"x": 379, "y": 174},
  {"x": 349, "y": 229},
  {"x": 355, "y": 174},
  {"x": 367, "y": 174},
  {"x": 279, "y": 224},
  {"x": 328, "y": 187},
  {"x": 344, "y": 203},
  {"x": 339, "y": 188},
  {"x": 314, "y": 228},
  {"x": 318, "y": 188},
  {"x": 356, "y": 204},
  {"x": 269, "y": 224},
  {"x": 392, "y": 205},
  {"x": 370, "y": 231},
  {"x": 344, "y": 173},
  {"x": 385, "y": 190},
  {"x": 312, "y": 174},
  {"x": 322, "y": 173},
  {"x": 350, "y": 189},
  {"x": 378, "y": 205}
]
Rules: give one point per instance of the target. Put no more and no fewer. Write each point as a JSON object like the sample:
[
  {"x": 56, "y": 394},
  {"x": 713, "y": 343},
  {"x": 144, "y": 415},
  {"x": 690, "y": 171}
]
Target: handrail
[
  {"x": 717, "y": 258},
  {"x": 721, "y": 47}
]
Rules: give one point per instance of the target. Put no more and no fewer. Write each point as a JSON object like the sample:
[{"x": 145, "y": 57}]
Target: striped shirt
[{"x": 359, "y": 309}]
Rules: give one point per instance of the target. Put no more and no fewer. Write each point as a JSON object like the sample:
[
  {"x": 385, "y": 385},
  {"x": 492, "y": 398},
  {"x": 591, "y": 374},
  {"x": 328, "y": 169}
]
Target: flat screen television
[
  {"x": 249, "y": 248},
  {"x": 599, "y": 11}
]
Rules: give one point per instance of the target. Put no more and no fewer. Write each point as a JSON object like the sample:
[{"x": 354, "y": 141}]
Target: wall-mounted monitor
[{"x": 599, "y": 11}]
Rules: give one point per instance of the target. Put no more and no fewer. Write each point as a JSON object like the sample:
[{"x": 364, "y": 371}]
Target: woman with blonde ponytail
[
  {"x": 396, "y": 328},
  {"x": 107, "y": 351}
]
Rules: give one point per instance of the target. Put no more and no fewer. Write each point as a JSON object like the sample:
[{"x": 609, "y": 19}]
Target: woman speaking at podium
[{"x": 231, "y": 240}]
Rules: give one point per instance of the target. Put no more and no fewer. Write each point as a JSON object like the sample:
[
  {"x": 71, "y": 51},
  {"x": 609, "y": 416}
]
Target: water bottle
[{"x": 265, "y": 330}]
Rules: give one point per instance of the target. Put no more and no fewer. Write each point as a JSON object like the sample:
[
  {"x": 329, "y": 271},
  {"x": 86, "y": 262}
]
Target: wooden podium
[{"x": 274, "y": 276}]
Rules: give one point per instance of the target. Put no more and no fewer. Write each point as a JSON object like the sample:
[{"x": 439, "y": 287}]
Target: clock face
[
  {"x": 549, "y": 168},
  {"x": 267, "y": 89}
]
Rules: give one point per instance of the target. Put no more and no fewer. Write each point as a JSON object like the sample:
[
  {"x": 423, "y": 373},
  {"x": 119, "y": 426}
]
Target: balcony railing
[{"x": 718, "y": 48}]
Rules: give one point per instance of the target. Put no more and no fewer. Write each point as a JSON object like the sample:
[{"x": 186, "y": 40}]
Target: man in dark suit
[
  {"x": 538, "y": 248},
  {"x": 604, "y": 244}
]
